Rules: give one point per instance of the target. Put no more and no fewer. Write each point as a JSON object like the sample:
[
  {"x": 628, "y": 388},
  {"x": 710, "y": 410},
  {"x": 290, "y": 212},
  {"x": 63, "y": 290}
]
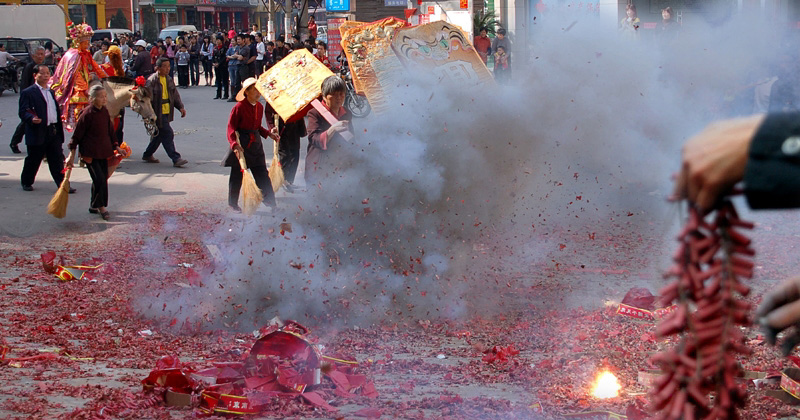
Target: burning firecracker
[
  {"x": 710, "y": 262},
  {"x": 606, "y": 386}
]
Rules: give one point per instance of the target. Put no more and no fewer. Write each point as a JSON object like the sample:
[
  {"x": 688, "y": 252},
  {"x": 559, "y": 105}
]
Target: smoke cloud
[{"x": 458, "y": 190}]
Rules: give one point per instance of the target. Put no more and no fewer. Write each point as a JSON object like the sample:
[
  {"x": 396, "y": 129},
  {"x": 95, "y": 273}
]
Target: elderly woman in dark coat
[
  {"x": 96, "y": 141},
  {"x": 325, "y": 138}
]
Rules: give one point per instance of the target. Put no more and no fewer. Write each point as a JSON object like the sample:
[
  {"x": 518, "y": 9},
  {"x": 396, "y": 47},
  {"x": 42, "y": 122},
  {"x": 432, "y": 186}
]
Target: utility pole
[{"x": 271, "y": 20}]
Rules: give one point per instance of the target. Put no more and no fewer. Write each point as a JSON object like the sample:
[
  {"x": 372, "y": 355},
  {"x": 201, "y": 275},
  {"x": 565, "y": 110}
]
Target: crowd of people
[
  {"x": 232, "y": 62},
  {"x": 223, "y": 59}
]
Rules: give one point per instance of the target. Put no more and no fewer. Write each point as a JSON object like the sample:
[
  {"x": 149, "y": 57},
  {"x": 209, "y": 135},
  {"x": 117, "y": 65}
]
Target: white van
[{"x": 175, "y": 31}]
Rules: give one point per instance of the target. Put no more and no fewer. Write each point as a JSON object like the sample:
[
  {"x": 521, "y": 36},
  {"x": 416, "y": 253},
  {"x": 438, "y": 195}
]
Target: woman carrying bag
[{"x": 96, "y": 142}]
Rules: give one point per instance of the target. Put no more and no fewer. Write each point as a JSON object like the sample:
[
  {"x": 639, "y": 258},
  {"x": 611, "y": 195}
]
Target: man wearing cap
[
  {"x": 142, "y": 66},
  {"x": 244, "y": 125},
  {"x": 165, "y": 99}
]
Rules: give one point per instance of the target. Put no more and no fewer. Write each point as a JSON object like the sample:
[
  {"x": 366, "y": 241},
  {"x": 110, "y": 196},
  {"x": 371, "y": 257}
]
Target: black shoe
[
  {"x": 236, "y": 208},
  {"x": 232, "y": 100},
  {"x": 27, "y": 187},
  {"x": 94, "y": 211},
  {"x": 289, "y": 188},
  {"x": 216, "y": 97},
  {"x": 15, "y": 149},
  {"x": 72, "y": 190},
  {"x": 225, "y": 96}
]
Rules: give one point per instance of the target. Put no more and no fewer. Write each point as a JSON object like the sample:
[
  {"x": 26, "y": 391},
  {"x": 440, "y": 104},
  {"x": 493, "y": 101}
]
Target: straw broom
[
  {"x": 275, "y": 168},
  {"x": 251, "y": 194},
  {"x": 58, "y": 204}
]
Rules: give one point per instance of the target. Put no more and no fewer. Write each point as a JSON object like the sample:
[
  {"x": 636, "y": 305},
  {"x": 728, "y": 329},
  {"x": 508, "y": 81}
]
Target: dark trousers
[
  {"x": 121, "y": 126},
  {"x": 19, "y": 133},
  {"x": 222, "y": 81},
  {"x": 261, "y": 176},
  {"x": 194, "y": 70},
  {"x": 244, "y": 73},
  {"x": 98, "y": 170},
  {"x": 235, "y": 81},
  {"x": 183, "y": 75},
  {"x": 207, "y": 70},
  {"x": 166, "y": 137},
  {"x": 171, "y": 67},
  {"x": 289, "y": 155},
  {"x": 55, "y": 160},
  {"x": 259, "y": 68}
]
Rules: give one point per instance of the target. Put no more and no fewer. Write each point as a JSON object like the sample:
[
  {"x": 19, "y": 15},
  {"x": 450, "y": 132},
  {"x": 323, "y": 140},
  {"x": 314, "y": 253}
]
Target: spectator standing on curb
[
  {"x": 483, "y": 44},
  {"x": 165, "y": 100},
  {"x": 220, "y": 64},
  {"x": 502, "y": 41},
  {"x": 183, "y": 58},
  {"x": 142, "y": 66},
  {"x": 194, "y": 61},
  {"x": 261, "y": 50},
  {"x": 170, "y": 49},
  {"x": 233, "y": 69},
  {"x": 206, "y": 55}
]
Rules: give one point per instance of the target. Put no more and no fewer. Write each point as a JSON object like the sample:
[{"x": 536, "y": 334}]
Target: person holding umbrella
[{"x": 94, "y": 136}]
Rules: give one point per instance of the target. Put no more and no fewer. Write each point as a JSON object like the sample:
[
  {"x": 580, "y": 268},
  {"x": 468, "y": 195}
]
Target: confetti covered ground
[{"x": 79, "y": 349}]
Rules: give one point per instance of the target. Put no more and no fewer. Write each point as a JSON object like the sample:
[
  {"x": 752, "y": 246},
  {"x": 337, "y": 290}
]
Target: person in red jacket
[
  {"x": 245, "y": 120},
  {"x": 483, "y": 44},
  {"x": 324, "y": 138}
]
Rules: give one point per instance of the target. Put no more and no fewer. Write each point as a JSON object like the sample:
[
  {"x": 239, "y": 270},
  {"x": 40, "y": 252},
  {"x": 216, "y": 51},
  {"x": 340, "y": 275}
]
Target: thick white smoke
[{"x": 458, "y": 186}]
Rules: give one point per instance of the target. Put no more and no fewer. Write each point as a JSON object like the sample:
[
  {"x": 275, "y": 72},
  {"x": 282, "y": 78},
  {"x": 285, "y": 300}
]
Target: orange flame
[{"x": 606, "y": 385}]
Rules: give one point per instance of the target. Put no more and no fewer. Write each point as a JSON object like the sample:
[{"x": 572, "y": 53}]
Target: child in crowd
[
  {"x": 501, "y": 72},
  {"x": 182, "y": 59}
]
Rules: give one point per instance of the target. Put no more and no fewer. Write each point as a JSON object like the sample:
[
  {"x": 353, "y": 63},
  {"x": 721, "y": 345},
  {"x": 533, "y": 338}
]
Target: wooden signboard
[
  {"x": 443, "y": 50},
  {"x": 371, "y": 59},
  {"x": 292, "y": 83}
]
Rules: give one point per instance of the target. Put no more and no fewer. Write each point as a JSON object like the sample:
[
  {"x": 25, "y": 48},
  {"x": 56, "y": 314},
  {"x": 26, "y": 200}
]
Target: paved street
[{"x": 136, "y": 186}]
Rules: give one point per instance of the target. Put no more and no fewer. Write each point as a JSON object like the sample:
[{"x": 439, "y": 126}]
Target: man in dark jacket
[
  {"x": 27, "y": 81},
  {"x": 44, "y": 132},
  {"x": 165, "y": 99},
  {"x": 142, "y": 66}
]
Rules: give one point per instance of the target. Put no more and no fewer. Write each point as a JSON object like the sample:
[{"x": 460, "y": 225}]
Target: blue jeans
[
  {"x": 235, "y": 82},
  {"x": 166, "y": 137}
]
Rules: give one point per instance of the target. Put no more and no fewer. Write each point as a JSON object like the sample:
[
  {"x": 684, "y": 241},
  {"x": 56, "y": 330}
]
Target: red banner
[{"x": 334, "y": 40}]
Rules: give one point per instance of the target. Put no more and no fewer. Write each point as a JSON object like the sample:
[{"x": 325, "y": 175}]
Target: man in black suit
[
  {"x": 44, "y": 133},
  {"x": 27, "y": 80}
]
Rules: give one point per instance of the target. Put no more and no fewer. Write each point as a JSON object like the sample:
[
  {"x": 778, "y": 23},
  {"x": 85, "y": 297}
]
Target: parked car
[
  {"x": 111, "y": 34},
  {"x": 21, "y": 49},
  {"x": 175, "y": 31}
]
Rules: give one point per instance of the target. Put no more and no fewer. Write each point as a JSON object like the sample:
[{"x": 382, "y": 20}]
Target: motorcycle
[
  {"x": 7, "y": 81},
  {"x": 357, "y": 105}
]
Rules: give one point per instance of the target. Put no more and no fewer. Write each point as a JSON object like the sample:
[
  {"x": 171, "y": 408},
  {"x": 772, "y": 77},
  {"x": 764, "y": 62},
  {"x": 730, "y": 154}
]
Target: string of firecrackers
[
  {"x": 710, "y": 263},
  {"x": 44, "y": 354},
  {"x": 63, "y": 271},
  {"x": 644, "y": 314}
]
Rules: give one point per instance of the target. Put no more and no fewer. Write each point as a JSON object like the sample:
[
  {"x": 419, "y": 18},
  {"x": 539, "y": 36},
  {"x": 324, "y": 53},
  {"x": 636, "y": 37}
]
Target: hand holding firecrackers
[{"x": 714, "y": 160}]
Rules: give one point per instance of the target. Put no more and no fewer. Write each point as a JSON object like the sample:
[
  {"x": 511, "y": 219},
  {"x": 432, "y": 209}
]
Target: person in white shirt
[
  {"x": 260, "y": 50},
  {"x": 5, "y": 57},
  {"x": 44, "y": 132}
]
